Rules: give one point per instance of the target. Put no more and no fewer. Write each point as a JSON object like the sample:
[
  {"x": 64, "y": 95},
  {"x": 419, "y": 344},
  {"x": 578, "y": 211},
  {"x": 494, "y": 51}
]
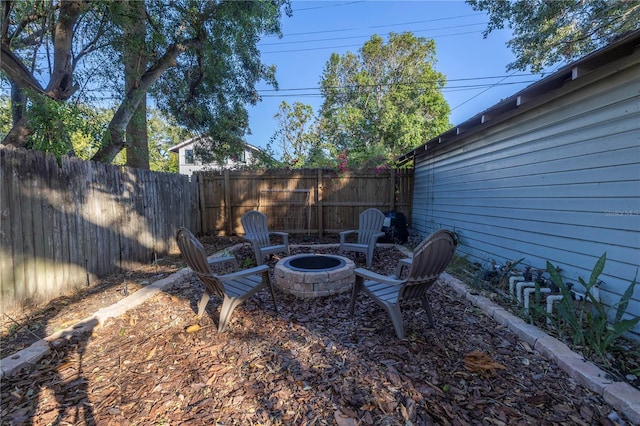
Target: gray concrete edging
[
  {"x": 27, "y": 357},
  {"x": 620, "y": 396}
]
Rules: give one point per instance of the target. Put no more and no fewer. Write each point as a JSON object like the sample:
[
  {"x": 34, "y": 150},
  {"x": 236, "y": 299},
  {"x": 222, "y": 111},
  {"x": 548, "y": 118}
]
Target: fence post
[
  {"x": 392, "y": 189},
  {"x": 203, "y": 207},
  {"x": 227, "y": 203},
  {"x": 318, "y": 200}
]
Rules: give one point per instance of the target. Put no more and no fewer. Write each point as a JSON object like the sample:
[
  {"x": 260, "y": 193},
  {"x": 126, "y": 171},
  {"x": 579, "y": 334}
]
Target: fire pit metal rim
[{"x": 337, "y": 262}]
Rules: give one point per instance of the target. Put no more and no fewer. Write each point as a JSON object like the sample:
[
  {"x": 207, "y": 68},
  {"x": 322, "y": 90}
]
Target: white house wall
[
  {"x": 560, "y": 182},
  {"x": 197, "y": 166}
]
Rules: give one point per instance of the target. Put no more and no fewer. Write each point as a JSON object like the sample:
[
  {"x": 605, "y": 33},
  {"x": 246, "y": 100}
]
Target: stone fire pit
[{"x": 314, "y": 275}]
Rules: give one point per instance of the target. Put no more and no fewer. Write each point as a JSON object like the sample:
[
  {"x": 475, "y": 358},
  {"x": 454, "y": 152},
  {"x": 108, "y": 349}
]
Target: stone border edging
[{"x": 619, "y": 395}]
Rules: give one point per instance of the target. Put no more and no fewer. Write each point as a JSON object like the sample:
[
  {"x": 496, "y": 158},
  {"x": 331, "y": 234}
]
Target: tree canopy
[
  {"x": 547, "y": 32},
  {"x": 296, "y": 136},
  {"x": 383, "y": 101},
  {"x": 201, "y": 62}
]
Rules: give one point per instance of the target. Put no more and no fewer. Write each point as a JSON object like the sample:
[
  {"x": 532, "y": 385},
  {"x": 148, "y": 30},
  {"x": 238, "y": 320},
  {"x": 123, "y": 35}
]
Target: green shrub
[{"x": 587, "y": 323}]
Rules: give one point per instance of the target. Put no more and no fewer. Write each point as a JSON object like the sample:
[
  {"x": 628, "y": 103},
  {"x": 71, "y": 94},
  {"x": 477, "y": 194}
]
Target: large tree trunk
[
  {"x": 18, "y": 103},
  {"x": 61, "y": 85},
  {"x": 114, "y": 141},
  {"x": 137, "y": 139}
]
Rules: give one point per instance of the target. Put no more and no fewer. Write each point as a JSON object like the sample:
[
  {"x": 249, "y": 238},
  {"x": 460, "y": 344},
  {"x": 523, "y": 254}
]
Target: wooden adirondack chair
[
  {"x": 233, "y": 288},
  {"x": 369, "y": 230},
  {"x": 257, "y": 232},
  {"x": 430, "y": 259}
]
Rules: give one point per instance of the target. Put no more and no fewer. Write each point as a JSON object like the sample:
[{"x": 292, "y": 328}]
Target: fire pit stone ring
[{"x": 314, "y": 275}]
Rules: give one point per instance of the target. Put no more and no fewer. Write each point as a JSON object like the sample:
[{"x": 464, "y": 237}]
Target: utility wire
[
  {"x": 377, "y": 26},
  {"x": 478, "y": 94},
  {"x": 330, "y": 5},
  {"x": 412, "y": 83},
  {"x": 368, "y": 35},
  {"x": 358, "y": 45}
]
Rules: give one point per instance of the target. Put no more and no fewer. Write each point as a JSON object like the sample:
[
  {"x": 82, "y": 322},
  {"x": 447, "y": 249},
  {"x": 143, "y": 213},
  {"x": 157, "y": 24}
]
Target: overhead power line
[
  {"x": 455, "y": 80},
  {"x": 302, "y": 9},
  {"x": 358, "y": 45},
  {"x": 336, "y": 30},
  {"x": 369, "y": 35},
  {"x": 486, "y": 86}
]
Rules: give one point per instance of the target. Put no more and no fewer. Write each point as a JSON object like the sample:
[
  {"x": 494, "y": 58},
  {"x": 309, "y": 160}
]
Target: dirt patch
[
  {"x": 313, "y": 363},
  {"x": 20, "y": 329}
]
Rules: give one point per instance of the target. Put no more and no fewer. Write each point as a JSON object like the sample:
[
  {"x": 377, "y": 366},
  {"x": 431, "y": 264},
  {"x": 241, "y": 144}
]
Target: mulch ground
[{"x": 311, "y": 364}]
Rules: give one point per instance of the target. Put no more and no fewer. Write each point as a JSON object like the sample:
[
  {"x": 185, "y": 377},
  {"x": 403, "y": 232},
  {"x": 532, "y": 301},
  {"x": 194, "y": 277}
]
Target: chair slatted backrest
[
  {"x": 255, "y": 225},
  {"x": 194, "y": 254},
  {"x": 370, "y": 224},
  {"x": 430, "y": 259}
]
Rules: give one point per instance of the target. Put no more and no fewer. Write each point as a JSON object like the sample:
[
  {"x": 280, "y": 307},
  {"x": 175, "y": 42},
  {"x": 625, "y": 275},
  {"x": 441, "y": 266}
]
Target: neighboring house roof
[
  {"x": 191, "y": 141},
  {"x": 531, "y": 95}
]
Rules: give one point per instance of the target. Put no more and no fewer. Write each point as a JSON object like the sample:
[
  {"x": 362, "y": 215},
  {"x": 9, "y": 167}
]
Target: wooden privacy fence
[
  {"x": 311, "y": 201},
  {"x": 63, "y": 224}
]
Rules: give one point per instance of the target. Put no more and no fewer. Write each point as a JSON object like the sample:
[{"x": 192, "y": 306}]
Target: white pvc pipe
[
  {"x": 520, "y": 286},
  {"x": 527, "y": 292},
  {"x": 550, "y": 300},
  {"x": 512, "y": 283}
]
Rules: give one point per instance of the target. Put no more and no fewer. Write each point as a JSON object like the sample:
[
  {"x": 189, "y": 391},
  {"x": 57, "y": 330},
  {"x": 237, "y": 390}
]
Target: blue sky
[{"x": 475, "y": 67}]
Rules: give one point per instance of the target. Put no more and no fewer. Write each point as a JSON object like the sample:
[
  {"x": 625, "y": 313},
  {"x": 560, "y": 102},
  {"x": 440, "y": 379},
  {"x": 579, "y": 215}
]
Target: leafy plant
[
  {"x": 588, "y": 323},
  {"x": 248, "y": 263}
]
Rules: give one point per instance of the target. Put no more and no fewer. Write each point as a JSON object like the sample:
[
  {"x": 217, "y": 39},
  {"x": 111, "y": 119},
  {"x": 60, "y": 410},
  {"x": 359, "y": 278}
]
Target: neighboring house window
[
  {"x": 238, "y": 158},
  {"x": 188, "y": 156},
  {"x": 235, "y": 159}
]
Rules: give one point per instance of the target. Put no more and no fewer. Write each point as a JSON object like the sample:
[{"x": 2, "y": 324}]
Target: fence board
[
  {"x": 48, "y": 222},
  {"x": 7, "y": 259}
]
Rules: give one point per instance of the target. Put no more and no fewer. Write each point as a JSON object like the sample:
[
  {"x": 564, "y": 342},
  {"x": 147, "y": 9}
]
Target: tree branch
[
  {"x": 17, "y": 72},
  {"x": 113, "y": 141}
]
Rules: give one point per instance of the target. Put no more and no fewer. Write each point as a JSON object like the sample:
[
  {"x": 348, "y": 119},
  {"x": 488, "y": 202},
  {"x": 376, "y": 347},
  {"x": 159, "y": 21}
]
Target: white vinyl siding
[
  {"x": 189, "y": 164},
  {"x": 559, "y": 182}
]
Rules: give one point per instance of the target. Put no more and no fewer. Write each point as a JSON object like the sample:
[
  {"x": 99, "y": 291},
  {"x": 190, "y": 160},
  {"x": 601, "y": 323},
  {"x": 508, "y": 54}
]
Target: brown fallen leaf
[
  {"x": 151, "y": 353},
  {"x": 481, "y": 362}
]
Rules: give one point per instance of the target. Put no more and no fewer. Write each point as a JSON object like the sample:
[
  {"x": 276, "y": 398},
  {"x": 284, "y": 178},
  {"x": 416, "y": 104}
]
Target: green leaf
[{"x": 626, "y": 297}]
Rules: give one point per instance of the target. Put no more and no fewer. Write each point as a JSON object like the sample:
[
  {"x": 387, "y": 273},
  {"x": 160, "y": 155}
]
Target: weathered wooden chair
[
  {"x": 369, "y": 230},
  {"x": 233, "y": 288},
  {"x": 430, "y": 259},
  {"x": 257, "y": 232}
]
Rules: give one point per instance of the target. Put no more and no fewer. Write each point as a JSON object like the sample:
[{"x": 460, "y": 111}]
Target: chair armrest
[
  {"x": 403, "y": 263},
  {"x": 254, "y": 241},
  {"x": 344, "y": 234},
  {"x": 245, "y": 272},
  {"x": 385, "y": 279},
  {"x": 377, "y": 235},
  {"x": 283, "y": 235},
  {"x": 223, "y": 259}
]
